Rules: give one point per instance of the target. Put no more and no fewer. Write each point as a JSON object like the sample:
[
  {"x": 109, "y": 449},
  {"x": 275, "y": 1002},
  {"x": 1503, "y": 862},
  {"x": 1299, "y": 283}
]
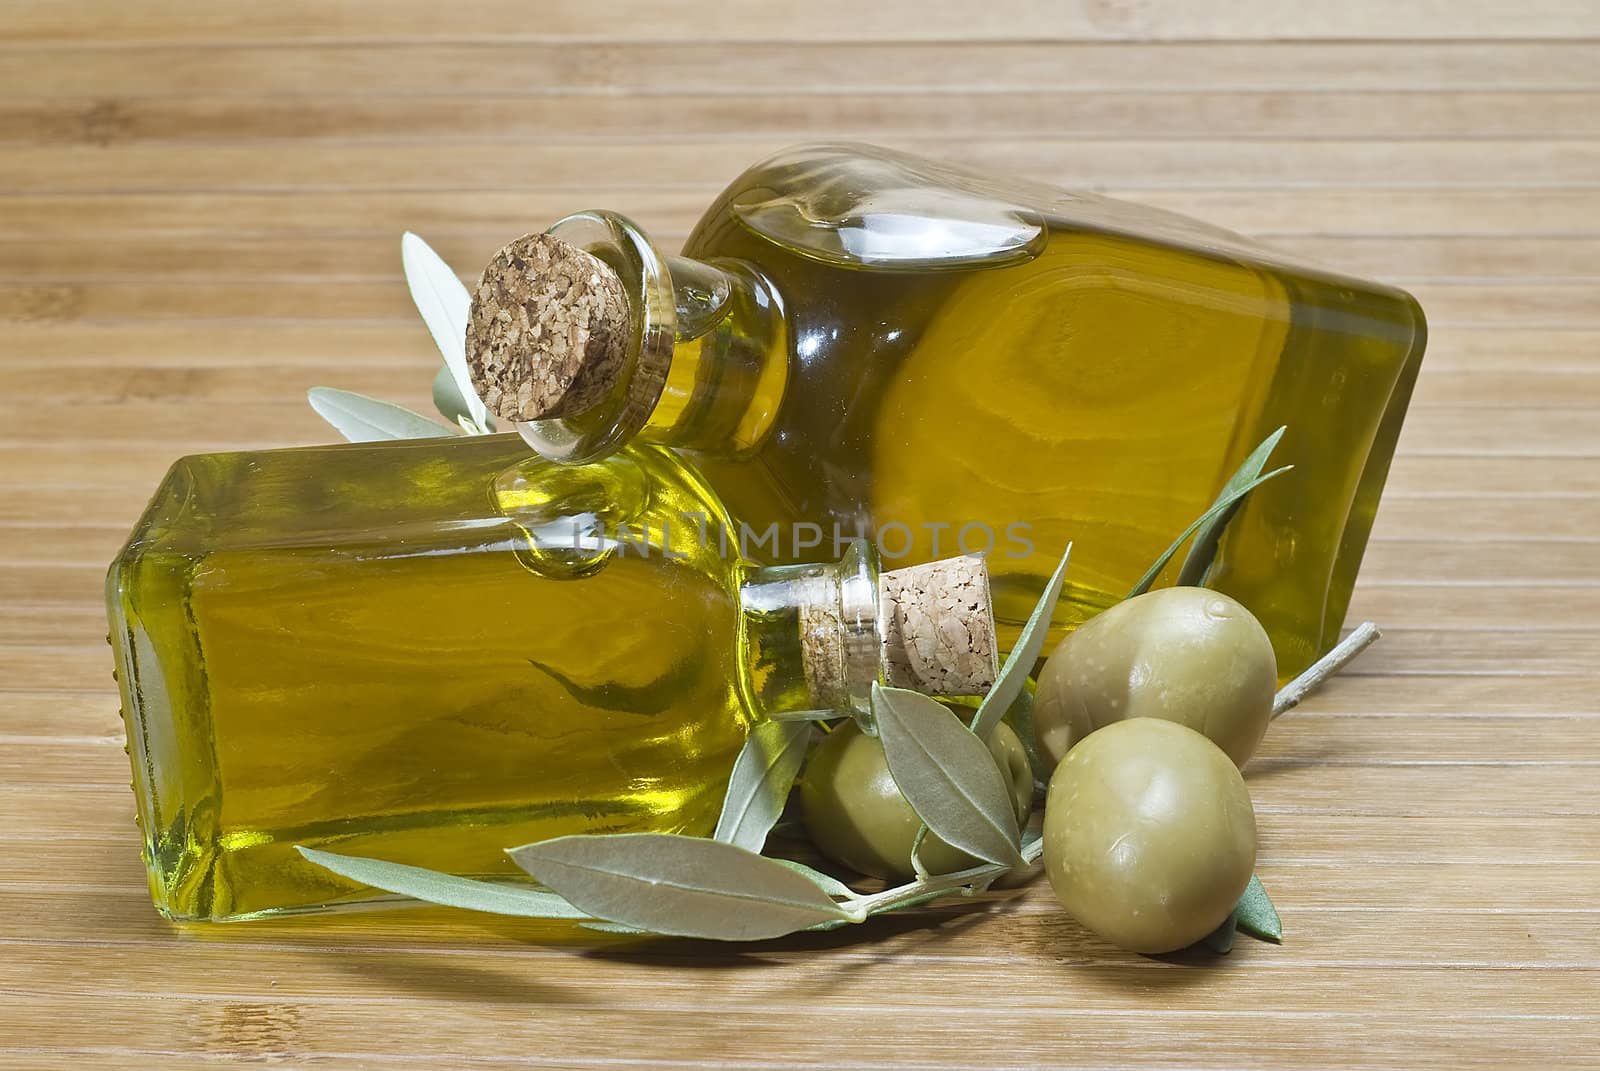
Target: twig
[
  {"x": 1292, "y": 693},
  {"x": 973, "y": 879}
]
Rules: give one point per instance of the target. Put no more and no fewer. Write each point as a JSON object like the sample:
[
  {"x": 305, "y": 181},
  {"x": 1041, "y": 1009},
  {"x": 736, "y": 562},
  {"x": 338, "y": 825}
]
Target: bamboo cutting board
[{"x": 200, "y": 207}]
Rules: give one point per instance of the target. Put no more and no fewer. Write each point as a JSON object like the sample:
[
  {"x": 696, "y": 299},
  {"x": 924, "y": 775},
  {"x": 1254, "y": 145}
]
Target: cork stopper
[
  {"x": 936, "y": 626},
  {"x": 548, "y": 333}
]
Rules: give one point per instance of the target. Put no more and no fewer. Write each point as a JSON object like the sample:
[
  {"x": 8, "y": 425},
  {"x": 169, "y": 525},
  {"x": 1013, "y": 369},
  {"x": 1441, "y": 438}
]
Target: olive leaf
[
  {"x": 1019, "y": 663},
  {"x": 1256, "y": 915},
  {"x": 947, "y": 775},
  {"x": 826, "y": 882},
  {"x": 1032, "y": 846},
  {"x": 1221, "y": 505},
  {"x": 1203, "y": 551},
  {"x": 1220, "y": 940},
  {"x": 364, "y": 420},
  {"x": 446, "y": 889},
  {"x": 664, "y": 886},
  {"x": 678, "y": 885},
  {"x": 447, "y": 399},
  {"x": 1020, "y": 715},
  {"x": 612, "y": 927},
  {"x": 445, "y": 306},
  {"x": 759, "y": 786}
]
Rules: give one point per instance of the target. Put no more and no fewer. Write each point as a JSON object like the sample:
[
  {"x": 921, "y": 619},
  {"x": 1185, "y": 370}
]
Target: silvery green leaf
[
  {"x": 1019, "y": 663},
  {"x": 445, "y": 889},
  {"x": 1257, "y": 917},
  {"x": 947, "y": 775},
  {"x": 1221, "y": 505},
  {"x": 826, "y": 882},
  {"x": 1020, "y": 715},
  {"x": 447, "y": 399},
  {"x": 788, "y": 827},
  {"x": 445, "y": 306},
  {"x": 366, "y": 420},
  {"x": 612, "y": 927},
  {"x": 1203, "y": 551},
  {"x": 1032, "y": 845},
  {"x": 1220, "y": 940},
  {"x": 759, "y": 786},
  {"x": 677, "y": 885},
  {"x": 812, "y": 716}
]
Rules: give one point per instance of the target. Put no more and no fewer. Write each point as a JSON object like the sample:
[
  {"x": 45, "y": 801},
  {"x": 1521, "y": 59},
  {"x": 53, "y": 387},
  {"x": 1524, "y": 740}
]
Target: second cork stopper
[
  {"x": 929, "y": 628},
  {"x": 548, "y": 332},
  {"x": 937, "y": 628}
]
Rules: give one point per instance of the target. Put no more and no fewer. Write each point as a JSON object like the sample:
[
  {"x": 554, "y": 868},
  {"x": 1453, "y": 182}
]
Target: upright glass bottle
[
  {"x": 858, "y": 337},
  {"x": 428, "y": 651}
]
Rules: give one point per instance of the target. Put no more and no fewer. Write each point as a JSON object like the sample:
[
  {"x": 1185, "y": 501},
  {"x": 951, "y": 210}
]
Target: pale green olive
[
  {"x": 1188, "y": 655},
  {"x": 855, "y": 815},
  {"x": 1149, "y": 835}
]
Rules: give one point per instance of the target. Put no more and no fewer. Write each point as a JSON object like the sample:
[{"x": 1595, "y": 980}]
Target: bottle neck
[
  {"x": 730, "y": 360},
  {"x": 812, "y": 639},
  {"x": 708, "y": 364},
  {"x": 817, "y": 637}
]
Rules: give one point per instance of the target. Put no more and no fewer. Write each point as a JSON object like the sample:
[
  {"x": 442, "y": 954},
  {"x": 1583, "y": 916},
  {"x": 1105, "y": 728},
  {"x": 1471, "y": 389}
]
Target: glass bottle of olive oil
[
  {"x": 858, "y": 337},
  {"x": 428, "y": 651}
]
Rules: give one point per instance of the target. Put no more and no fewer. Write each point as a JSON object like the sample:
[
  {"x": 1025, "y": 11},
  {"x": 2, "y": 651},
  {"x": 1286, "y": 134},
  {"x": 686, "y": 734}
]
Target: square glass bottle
[
  {"x": 431, "y": 650},
  {"x": 861, "y": 339}
]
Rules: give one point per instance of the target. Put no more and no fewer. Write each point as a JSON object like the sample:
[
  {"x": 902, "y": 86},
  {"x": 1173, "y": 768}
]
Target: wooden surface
[{"x": 200, "y": 207}]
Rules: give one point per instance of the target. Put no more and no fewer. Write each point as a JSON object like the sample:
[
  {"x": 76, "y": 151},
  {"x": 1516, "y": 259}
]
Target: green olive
[
  {"x": 1187, "y": 655},
  {"x": 1149, "y": 835},
  {"x": 855, "y": 815}
]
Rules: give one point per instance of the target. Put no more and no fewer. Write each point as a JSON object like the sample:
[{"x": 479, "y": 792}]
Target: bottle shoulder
[
  {"x": 869, "y": 209},
  {"x": 419, "y": 497}
]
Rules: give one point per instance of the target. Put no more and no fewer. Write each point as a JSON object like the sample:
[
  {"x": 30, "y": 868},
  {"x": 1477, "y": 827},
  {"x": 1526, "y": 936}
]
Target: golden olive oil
[{"x": 401, "y": 651}]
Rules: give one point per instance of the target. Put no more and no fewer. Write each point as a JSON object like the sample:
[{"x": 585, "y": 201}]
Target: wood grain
[
  {"x": 233, "y": 68},
  {"x": 587, "y": 165},
  {"x": 200, "y": 210},
  {"x": 1390, "y": 214},
  {"x": 102, "y": 22},
  {"x": 1550, "y": 304},
  {"x": 109, "y": 256}
]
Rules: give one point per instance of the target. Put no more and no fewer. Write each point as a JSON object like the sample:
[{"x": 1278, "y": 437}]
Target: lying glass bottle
[
  {"x": 857, "y": 337},
  {"x": 429, "y": 651}
]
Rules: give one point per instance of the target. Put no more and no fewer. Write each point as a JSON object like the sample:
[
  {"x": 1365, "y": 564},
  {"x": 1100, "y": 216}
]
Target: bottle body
[
  {"x": 425, "y": 652},
  {"x": 984, "y": 366}
]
